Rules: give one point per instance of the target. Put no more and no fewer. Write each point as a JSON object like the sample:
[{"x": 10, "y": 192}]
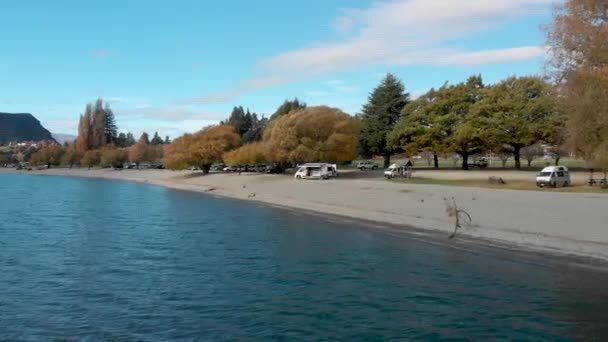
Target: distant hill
[
  {"x": 21, "y": 127},
  {"x": 62, "y": 138}
]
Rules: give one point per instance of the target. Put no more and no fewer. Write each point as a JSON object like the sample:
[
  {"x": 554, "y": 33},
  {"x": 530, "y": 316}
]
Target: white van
[
  {"x": 313, "y": 171},
  {"x": 554, "y": 176},
  {"x": 398, "y": 171}
]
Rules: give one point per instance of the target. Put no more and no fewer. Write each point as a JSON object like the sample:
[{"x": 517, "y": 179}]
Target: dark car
[{"x": 274, "y": 169}]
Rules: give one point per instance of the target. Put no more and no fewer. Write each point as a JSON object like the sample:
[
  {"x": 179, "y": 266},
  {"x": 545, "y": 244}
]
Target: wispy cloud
[
  {"x": 170, "y": 113},
  {"x": 396, "y": 33},
  {"x": 337, "y": 90},
  {"x": 102, "y": 54}
]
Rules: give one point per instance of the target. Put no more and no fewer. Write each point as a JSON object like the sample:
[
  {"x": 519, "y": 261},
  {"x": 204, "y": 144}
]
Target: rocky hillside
[{"x": 21, "y": 127}]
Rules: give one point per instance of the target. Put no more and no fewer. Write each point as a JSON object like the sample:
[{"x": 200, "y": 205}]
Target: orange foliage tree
[
  {"x": 312, "y": 134},
  {"x": 201, "y": 149},
  {"x": 250, "y": 154}
]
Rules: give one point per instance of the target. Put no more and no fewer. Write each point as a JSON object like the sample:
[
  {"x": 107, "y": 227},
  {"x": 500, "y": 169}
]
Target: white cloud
[
  {"x": 169, "y": 113},
  {"x": 335, "y": 91},
  {"x": 398, "y": 32}
]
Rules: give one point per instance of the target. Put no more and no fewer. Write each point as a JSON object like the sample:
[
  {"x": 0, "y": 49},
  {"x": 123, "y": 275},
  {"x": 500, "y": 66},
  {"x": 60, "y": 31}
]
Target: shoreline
[{"x": 566, "y": 225}]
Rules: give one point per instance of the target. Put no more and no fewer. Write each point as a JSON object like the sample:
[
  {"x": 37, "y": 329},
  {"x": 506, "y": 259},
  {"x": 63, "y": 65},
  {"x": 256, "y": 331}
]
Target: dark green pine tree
[
  {"x": 110, "y": 130},
  {"x": 130, "y": 141},
  {"x": 156, "y": 139},
  {"x": 287, "y": 107},
  {"x": 238, "y": 120},
  {"x": 167, "y": 140},
  {"x": 121, "y": 140},
  {"x": 379, "y": 115}
]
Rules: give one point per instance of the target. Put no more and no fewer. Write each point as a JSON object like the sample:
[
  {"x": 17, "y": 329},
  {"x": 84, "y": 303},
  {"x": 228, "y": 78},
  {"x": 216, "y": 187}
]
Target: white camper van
[
  {"x": 554, "y": 176},
  {"x": 398, "y": 171},
  {"x": 314, "y": 171}
]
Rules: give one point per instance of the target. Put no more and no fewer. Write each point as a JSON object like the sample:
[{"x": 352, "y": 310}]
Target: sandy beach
[{"x": 563, "y": 223}]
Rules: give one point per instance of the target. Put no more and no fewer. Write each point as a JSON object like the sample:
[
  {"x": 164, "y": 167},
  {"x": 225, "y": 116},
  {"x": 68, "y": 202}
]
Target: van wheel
[
  {"x": 554, "y": 184},
  {"x": 566, "y": 184},
  {"x": 298, "y": 177}
]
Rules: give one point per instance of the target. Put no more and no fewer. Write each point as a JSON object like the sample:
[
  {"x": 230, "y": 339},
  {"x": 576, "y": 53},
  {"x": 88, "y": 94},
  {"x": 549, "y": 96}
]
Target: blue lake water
[{"x": 84, "y": 259}]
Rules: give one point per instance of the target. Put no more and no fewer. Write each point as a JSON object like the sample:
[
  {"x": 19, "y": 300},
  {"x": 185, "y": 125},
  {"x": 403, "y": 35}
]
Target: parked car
[
  {"x": 260, "y": 168},
  {"x": 554, "y": 176},
  {"x": 367, "y": 166},
  {"x": 481, "y": 163},
  {"x": 229, "y": 169},
  {"x": 217, "y": 167},
  {"x": 274, "y": 169}
]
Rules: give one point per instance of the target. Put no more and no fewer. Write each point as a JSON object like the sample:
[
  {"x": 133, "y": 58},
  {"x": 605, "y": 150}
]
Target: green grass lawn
[
  {"x": 495, "y": 163},
  {"x": 511, "y": 185}
]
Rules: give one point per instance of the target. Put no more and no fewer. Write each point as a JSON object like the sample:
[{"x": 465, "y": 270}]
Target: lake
[{"x": 86, "y": 259}]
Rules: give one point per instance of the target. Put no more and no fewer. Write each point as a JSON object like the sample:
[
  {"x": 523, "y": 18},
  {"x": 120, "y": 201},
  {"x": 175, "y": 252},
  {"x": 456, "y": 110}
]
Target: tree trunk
[
  {"x": 557, "y": 160},
  {"x": 529, "y": 162},
  {"x": 465, "y": 161},
  {"x": 516, "y": 157},
  {"x": 205, "y": 168},
  {"x": 435, "y": 160},
  {"x": 387, "y": 161}
]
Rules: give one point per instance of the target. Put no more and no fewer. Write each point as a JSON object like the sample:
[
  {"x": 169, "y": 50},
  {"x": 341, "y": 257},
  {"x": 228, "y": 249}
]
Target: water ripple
[{"x": 98, "y": 260}]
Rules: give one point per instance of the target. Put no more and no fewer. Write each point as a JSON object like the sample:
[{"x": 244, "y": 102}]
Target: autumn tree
[
  {"x": 312, "y": 134},
  {"x": 71, "y": 156},
  {"x": 139, "y": 153},
  {"x": 250, "y": 154},
  {"x": 579, "y": 56},
  {"x": 91, "y": 158},
  {"x": 111, "y": 156},
  {"x": 201, "y": 149},
  {"x": 97, "y": 127},
  {"x": 379, "y": 116},
  {"x": 48, "y": 155},
  {"x": 288, "y": 106}
]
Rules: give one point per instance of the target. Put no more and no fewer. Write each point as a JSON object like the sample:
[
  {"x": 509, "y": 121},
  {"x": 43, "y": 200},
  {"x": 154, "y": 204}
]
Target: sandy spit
[{"x": 561, "y": 223}]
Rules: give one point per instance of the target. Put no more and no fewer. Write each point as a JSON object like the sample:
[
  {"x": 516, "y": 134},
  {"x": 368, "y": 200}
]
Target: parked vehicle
[
  {"x": 274, "y": 169},
  {"x": 217, "y": 167},
  {"x": 229, "y": 169},
  {"x": 481, "y": 163},
  {"x": 554, "y": 176},
  {"x": 313, "y": 171},
  {"x": 395, "y": 170},
  {"x": 367, "y": 166},
  {"x": 332, "y": 169},
  {"x": 260, "y": 168}
]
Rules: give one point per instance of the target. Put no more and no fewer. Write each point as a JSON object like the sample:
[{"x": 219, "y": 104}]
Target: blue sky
[{"x": 176, "y": 66}]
